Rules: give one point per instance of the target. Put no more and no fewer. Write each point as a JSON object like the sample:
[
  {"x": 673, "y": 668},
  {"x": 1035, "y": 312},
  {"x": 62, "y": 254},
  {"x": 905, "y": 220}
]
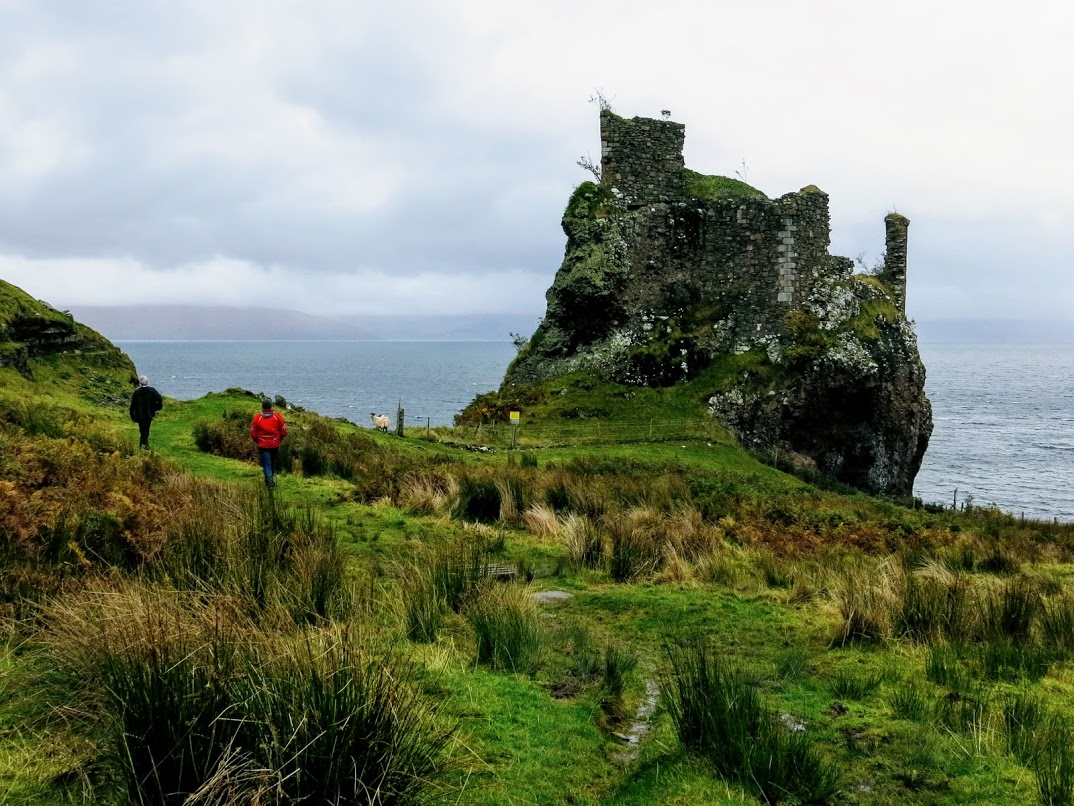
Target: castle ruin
[
  {"x": 670, "y": 277},
  {"x": 776, "y": 248}
]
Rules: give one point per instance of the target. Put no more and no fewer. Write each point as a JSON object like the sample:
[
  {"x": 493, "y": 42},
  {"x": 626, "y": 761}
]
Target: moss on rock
[{"x": 699, "y": 186}]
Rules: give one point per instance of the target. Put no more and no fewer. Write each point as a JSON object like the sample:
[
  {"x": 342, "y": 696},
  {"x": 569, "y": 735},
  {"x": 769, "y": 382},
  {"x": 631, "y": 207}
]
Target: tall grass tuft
[
  {"x": 793, "y": 663},
  {"x": 478, "y": 500},
  {"x": 584, "y": 540},
  {"x": 424, "y": 607},
  {"x": 585, "y": 660},
  {"x": 866, "y": 597},
  {"x": 202, "y": 706},
  {"x": 969, "y": 715},
  {"x": 720, "y": 716},
  {"x": 644, "y": 535},
  {"x": 942, "y": 667},
  {"x": 731, "y": 568},
  {"x": 1055, "y": 773},
  {"x": 1029, "y": 726},
  {"x": 249, "y": 545},
  {"x": 937, "y": 606},
  {"x": 226, "y": 436},
  {"x": 506, "y": 626},
  {"x": 170, "y": 704},
  {"x": 457, "y": 568},
  {"x": 1011, "y": 611},
  {"x": 619, "y": 664},
  {"x": 512, "y": 498},
  {"x": 634, "y": 551},
  {"x": 855, "y": 686},
  {"x": 1041, "y": 738},
  {"x": 427, "y": 494},
  {"x": 440, "y": 582},
  {"x": 775, "y": 571},
  {"x": 316, "y": 587},
  {"x": 344, "y": 724},
  {"x": 1000, "y": 561},
  {"x": 1057, "y": 621},
  {"x": 541, "y": 520},
  {"x": 909, "y": 701},
  {"x": 1007, "y": 660}
]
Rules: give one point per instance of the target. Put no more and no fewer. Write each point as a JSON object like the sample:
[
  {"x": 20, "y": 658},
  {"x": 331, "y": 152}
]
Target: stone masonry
[
  {"x": 894, "y": 270},
  {"x": 642, "y": 158},
  {"x": 753, "y": 259},
  {"x": 667, "y": 273}
]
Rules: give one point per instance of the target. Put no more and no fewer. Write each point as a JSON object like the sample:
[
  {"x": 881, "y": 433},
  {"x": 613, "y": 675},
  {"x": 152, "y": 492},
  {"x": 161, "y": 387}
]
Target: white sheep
[{"x": 381, "y": 422}]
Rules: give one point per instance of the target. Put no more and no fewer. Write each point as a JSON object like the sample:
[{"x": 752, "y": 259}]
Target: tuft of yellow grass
[
  {"x": 541, "y": 520},
  {"x": 866, "y": 595}
]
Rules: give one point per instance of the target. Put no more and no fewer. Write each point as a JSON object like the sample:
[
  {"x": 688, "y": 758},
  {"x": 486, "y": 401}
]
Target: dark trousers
[
  {"x": 143, "y": 433},
  {"x": 268, "y": 464}
]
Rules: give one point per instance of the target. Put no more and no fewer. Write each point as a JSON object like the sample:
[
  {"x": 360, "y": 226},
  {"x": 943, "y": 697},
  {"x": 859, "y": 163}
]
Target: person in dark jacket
[
  {"x": 145, "y": 403},
  {"x": 268, "y": 430}
]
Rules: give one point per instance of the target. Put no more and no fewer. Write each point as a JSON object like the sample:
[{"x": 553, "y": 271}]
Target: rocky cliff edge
[{"x": 736, "y": 296}]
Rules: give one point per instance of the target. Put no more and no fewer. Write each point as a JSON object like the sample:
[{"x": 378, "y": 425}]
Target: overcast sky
[{"x": 347, "y": 156}]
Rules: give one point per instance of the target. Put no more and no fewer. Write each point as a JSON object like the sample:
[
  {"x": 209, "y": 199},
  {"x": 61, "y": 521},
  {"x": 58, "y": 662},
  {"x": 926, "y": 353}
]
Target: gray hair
[{"x": 144, "y": 381}]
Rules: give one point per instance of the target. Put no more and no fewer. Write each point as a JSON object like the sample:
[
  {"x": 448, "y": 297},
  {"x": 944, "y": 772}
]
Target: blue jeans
[{"x": 268, "y": 464}]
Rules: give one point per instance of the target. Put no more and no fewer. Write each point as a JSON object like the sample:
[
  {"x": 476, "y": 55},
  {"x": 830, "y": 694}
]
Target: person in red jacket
[{"x": 268, "y": 430}]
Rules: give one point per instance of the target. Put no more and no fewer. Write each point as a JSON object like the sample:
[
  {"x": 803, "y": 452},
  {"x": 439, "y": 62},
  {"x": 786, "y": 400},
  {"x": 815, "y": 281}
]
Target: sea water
[
  {"x": 432, "y": 380},
  {"x": 1003, "y": 427},
  {"x": 1004, "y": 415}
]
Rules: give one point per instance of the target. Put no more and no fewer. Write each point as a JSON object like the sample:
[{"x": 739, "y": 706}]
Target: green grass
[
  {"x": 752, "y": 558},
  {"x": 699, "y": 186},
  {"x": 719, "y": 715}
]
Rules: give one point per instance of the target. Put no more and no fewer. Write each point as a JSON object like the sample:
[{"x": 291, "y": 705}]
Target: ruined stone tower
[
  {"x": 780, "y": 246},
  {"x": 894, "y": 270},
  {"x": 670, "y": 276},
  {"x": 642, "y": 158}
]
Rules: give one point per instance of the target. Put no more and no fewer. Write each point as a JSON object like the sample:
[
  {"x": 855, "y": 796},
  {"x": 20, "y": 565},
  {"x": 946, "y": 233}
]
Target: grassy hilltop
[{"x": 718, "y": 631}]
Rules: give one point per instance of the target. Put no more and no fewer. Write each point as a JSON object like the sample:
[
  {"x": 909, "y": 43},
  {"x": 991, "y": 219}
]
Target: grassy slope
[{"x": 519, "y": 744}]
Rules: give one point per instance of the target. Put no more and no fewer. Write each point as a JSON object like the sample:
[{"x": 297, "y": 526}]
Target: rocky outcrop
[
  {"x": 35, "y": 335},
  {"x": 855, "y": 407},
  {"x": 673, "y": 278}
]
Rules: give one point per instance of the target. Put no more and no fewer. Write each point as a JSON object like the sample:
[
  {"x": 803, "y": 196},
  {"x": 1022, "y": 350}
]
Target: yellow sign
[{"x": 514, "y": 417}]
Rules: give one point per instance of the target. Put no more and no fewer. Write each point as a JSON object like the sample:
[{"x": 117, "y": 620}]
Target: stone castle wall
[
  {"x": 751, "y": 260},
  {"x": 642, "y": 158},
  {"x": 894, "y": 269},
  {"x": 747, "y": 262}
]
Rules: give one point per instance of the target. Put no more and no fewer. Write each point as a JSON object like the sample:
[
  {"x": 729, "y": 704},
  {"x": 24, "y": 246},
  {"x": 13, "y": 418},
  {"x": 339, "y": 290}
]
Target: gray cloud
[{"x": 404, "y": 152}]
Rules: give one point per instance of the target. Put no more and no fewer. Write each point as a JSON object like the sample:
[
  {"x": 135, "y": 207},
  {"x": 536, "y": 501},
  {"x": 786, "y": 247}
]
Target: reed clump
[
  {"x": 506, "y": 626},
  {"x": 198, "y": 701},
  {"x": 720, "y": 716},
  {"x": 853, "y": 685},
  {"x": 440, "y": 582},
  {"x": 250, "y": 545},
  {"x": 428, "y": 493}
]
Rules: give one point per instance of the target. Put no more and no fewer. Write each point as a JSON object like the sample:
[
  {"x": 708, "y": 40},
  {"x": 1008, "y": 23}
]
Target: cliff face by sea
[
  {"x": 670, "y": 276},
  {"x": 35, "y": 338}
]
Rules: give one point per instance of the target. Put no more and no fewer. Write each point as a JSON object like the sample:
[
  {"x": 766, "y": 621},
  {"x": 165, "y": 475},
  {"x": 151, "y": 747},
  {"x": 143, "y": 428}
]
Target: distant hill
[
  {"x": 212, "y": 322},
  {"x": 996, "y": 331}
]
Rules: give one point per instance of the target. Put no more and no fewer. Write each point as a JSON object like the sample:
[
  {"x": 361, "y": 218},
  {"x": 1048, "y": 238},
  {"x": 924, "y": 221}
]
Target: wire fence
[{"x": 564, "y": 434}]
